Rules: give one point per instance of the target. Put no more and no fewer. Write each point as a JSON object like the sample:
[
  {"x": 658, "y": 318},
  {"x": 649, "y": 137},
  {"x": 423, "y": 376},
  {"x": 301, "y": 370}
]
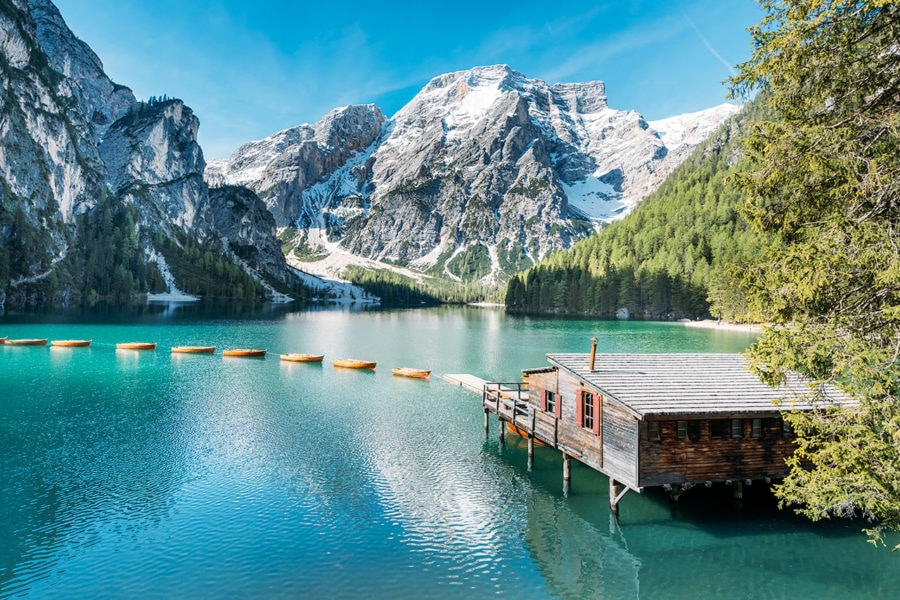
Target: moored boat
[
  {"x": 193, "y": 349},
  {"x": 71, "y": 343},
  {"x": 245, "y": 352},
  {"x": 136, "y": 346},
  {"x": 410, "y": 372},
  {"x": 2, "y": 340},
  {"x": 27, "y": 342},
  {"x": 521, "y": 432},
  {"x": 310, "y": 358},
  {"x": 352, "y": 363}
]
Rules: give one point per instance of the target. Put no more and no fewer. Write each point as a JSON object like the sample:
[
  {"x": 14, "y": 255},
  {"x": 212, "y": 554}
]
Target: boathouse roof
[{"x": 683, "y": 384}]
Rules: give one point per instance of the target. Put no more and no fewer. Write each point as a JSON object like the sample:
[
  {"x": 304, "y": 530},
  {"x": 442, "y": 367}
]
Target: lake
[{"x": 146, "y": 474}]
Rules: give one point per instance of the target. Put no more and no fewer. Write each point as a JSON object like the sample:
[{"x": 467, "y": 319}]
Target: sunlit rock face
[
  {"x": 70, "y": 137},
  {"x": 486, "y": 164}
]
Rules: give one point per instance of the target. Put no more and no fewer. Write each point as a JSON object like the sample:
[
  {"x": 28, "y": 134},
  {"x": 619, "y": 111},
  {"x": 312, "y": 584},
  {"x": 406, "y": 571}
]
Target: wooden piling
[
  {"x": 738, "y": 488},
  {"x": 613, "y": 492},
  {"x": 567, "y": 468}
]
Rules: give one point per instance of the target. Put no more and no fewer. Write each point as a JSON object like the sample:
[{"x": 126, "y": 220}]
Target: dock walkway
[{"x": 464, "y": 380}]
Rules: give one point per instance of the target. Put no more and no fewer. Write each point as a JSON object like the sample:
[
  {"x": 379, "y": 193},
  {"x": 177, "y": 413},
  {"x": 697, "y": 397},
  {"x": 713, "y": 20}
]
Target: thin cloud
[
  {"x": 709, "y": 46},
  {"x": 589, "y": 57}
]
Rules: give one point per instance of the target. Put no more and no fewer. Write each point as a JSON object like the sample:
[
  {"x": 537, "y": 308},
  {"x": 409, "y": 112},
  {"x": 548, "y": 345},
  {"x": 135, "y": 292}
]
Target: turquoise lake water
[{"x": 151, "y": 475}]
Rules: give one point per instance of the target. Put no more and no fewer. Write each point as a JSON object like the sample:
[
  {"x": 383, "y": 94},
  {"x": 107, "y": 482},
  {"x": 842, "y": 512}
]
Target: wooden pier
[{"x": 466, "y": 381}]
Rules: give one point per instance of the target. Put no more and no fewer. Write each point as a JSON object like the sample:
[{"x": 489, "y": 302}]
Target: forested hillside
[{"x": 677, "y": 255}]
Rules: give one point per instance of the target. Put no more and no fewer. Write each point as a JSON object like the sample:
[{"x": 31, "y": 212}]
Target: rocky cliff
[
  {"x": 482, "y": 173},
  {"x": 78, "y": 152}
]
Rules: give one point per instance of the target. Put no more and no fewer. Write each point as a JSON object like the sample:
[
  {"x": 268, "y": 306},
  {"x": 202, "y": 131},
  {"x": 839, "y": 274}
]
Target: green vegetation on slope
[
  {"x": 202, "y": 272},
  {"x": 673, "y": 257},
  {"x": 109, "y": 255},
  {"x": 395, "y": 290}
]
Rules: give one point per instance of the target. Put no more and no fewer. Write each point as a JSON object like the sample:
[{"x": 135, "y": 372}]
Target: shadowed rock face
[
  {"x": 485, "y": 157},
  {"x": 247, "y": 228},
  {"x": 71, "y": 136}
]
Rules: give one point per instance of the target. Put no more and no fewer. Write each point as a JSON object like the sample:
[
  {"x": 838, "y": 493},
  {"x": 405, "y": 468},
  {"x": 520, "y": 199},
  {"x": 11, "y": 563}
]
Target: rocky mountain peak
[
  {"x": 481, "y": 173},
  {"x": 81, "y": 68}
]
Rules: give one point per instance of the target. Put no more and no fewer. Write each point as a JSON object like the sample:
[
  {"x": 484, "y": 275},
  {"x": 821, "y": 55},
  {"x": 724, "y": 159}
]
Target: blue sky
[{"x": 249, "y": 69}]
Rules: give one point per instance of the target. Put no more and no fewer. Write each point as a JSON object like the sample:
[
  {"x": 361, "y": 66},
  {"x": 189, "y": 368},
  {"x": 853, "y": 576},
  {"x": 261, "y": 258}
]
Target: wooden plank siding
[
  {"x": 670, "y": 460},
  {"x": 620, "y": 435}
]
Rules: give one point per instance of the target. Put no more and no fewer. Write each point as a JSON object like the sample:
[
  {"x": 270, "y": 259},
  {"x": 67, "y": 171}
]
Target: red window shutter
[
  {"x": 579, "y": 409},
  {"x": 557, "y": 407},
  {"x": 544, "y": 400},
  {"x": 598, "y": 412}
]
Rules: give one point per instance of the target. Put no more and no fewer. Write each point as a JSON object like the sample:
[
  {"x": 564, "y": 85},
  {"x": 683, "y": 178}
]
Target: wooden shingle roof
[{"x": 683, "y": 384}]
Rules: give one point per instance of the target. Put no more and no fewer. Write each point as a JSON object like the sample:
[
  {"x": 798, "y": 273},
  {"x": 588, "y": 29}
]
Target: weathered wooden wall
[
  {"x": 674, "y": 461},
  {"x": 617, "y": 456},
  {"x": 620, "y": 443}
]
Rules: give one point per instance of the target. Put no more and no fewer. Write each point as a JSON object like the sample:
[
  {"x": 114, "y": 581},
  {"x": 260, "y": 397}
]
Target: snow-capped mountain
[{"x": 481, "y": 173}]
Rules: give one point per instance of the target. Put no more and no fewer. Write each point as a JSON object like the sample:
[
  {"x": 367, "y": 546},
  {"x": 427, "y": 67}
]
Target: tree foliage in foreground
[{"x": 823, "y": 176}]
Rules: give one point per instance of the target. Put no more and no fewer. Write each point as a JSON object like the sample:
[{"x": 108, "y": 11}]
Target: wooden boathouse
[{"x": 671, "y": 420}]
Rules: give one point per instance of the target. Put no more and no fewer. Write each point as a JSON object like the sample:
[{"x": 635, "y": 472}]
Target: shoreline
[{"x": 724, "y": 325}]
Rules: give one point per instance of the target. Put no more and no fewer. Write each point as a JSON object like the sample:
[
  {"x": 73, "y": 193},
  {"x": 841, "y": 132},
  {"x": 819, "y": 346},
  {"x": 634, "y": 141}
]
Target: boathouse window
[
  {"x": 736, "y": 428},
  {"x": 719, "y": 428},
  {"x": 587, "y": 410},
  {"x": 551, "y": 402},
  {"x": 653, "y": 431},
  {"x": 682, "y": 430},
  {"x": 786, "y": 429},
  {"x": 756, "y": 431}
]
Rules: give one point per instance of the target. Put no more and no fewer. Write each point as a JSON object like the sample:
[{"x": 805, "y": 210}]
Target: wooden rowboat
[
  {"x": 194, "y": 349},
  {"x": 27, "y": 342},
  {"x": 136, "y": 346},
  {"x": 410, "y": 372},
  {"x": 310, "y": 358},
  {"x": 247, "y": 353},
  {"x": 2, "y": 341},
  {"x": 521, "y": 432},
  {"x": 71, "y": 343},
  {"x": 352, "y": 363}
]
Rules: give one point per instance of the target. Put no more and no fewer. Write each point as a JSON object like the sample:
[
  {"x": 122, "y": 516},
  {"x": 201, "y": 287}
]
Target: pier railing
[{"x": 509, "y": 401}]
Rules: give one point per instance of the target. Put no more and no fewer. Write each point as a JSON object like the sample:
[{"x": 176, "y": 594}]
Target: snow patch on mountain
[
  {"x": 692, "y": 128},
  {"x": 595, "y": 199}
]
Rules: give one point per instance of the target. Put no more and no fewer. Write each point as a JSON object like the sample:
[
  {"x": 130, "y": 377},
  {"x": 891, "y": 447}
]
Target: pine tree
[{"x": 823, "y": 180}]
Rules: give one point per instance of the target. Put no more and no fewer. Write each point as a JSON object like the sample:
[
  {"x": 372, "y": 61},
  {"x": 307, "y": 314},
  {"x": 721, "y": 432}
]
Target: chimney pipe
[{"x": 593, "y": 353}]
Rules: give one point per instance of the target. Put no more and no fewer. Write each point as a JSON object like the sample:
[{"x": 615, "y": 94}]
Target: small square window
[
  {"x": 682, "y": 430},
  {"x": 653, "y": 431},
  {"x": 551, "y": 402},
  {"x": 719, "y": 428},
  {"x": 757, "y": 428},
  {"x": 736, "y": 428}
]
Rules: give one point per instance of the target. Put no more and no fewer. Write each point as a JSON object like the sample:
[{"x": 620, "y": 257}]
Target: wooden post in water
[
  {"x": 613, "y": 494},
  {"x": 502, "y": 429},
  {"x": 487, "y": 422},
  {"x": 567, "y": 474},
  {"x": 531, "y": 437},
  {"x": 738, "y": 488}
]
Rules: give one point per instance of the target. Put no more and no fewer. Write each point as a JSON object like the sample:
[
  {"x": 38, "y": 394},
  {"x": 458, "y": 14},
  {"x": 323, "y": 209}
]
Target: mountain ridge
[{"x": 484, "y": 164}]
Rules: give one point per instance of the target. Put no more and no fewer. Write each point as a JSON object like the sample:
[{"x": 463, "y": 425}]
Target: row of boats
[{"x": 345, "y": 363}]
